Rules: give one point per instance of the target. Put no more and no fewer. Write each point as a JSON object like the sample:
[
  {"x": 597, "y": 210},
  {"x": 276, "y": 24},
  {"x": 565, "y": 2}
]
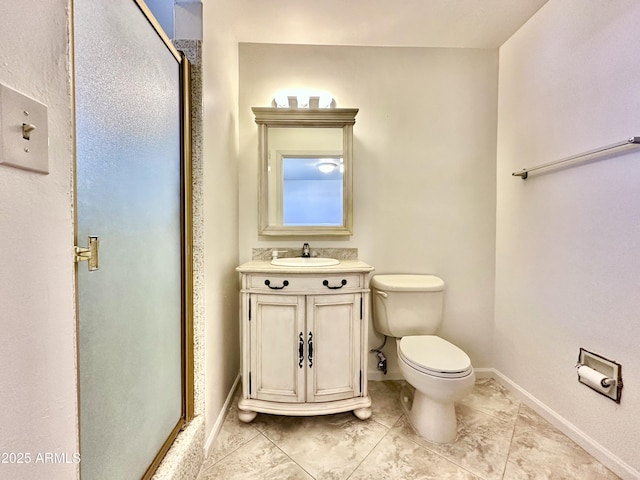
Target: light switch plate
[{"x": 17, "y": 110}]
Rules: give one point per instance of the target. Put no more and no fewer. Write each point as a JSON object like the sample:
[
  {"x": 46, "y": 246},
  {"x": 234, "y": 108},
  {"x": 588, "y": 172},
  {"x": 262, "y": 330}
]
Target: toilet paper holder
[{"x": 600, "y": 374}]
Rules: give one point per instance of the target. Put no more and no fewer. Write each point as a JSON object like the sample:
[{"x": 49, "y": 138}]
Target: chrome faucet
[{"x": 306, "y": 252}]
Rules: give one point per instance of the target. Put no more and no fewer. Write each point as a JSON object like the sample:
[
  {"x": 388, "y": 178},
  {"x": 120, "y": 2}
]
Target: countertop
[{"x": 265, "y": 266}]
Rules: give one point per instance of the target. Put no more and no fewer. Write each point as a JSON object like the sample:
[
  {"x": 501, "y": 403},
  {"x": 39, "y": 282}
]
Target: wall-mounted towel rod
[{"x": 524, "y": 173}]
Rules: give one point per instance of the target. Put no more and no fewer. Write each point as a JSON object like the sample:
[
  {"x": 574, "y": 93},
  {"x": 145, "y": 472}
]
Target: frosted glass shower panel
[{"x": 127, "y": 88}]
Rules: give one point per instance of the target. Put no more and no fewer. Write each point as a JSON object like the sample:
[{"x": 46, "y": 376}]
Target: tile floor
[{"x": 498, "y": 438}]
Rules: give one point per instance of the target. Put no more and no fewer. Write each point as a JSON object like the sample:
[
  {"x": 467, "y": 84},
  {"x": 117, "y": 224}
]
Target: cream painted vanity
[{"x": 304, "y": 339}]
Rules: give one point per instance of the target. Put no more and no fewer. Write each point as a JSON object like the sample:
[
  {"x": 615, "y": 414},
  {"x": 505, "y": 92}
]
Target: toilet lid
[{"x": 434, "y": 355}]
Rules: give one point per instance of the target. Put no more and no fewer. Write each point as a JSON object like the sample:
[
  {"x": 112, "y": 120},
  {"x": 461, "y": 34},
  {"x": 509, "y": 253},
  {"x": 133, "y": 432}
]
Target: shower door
[{"x": 129, "y": 194}]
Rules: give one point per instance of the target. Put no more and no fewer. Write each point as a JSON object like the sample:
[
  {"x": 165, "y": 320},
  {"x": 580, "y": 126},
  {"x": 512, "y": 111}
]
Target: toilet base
[{"x": 434, "y": 421}]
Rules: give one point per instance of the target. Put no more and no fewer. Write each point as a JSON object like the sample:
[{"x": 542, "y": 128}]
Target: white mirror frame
[{"x": 267, "y": 117}]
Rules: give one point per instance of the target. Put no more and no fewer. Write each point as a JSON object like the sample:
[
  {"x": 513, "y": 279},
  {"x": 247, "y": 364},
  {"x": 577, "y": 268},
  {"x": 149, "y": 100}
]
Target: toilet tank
[{"x": 407, "y": 304}]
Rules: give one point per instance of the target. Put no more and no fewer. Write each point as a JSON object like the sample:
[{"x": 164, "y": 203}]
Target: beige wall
[
  {"x": 220, "y": 104},
  {"x": 424, "y": 164},
  {"x": 568, "y": 267},
  {"x": 37, "y": 314}
]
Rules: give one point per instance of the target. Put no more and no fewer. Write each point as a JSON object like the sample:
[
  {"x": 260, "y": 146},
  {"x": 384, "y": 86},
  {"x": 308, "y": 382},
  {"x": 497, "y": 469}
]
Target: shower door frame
[{"x": 186, "y": 235}]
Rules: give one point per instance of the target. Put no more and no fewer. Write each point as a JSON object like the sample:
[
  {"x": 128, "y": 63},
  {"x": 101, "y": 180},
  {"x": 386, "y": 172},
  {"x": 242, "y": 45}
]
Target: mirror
[{"x": 305, "y": 174}]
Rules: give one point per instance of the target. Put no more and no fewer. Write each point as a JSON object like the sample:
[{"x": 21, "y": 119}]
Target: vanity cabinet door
[
  {"x": 277, "y": 328},
  {"x": 334, "y": 325}
]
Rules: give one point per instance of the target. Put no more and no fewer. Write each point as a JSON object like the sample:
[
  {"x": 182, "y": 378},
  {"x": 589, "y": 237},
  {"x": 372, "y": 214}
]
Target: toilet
[{"x": 409, "y": 308}]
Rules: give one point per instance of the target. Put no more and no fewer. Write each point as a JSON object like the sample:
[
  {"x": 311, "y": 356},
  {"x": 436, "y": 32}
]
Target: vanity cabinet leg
[
  {"x": 246, "y": 416},
  {"x": 362, "y": 413}
]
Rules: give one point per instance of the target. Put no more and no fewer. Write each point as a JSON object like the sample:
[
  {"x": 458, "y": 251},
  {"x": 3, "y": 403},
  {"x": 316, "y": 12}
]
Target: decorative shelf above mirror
[{"x": 305, "y": 173}]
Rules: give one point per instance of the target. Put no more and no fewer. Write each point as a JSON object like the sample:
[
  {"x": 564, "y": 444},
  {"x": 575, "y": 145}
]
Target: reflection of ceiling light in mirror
[{"x": 327, "y": 167}]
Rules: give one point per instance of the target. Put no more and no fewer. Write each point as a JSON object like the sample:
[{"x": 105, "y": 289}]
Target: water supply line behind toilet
[{"x": 382, "y": 360}]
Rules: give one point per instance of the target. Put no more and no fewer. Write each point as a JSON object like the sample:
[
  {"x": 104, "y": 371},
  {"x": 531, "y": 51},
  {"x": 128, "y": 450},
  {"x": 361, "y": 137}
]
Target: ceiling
[{"x": 402, "y": 23}]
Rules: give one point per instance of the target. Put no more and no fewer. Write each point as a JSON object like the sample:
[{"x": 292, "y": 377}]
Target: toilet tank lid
[{"x": 408, "y": 283}]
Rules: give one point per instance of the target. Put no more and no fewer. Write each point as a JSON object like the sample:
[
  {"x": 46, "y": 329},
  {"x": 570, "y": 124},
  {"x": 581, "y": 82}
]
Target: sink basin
[{"x": 305, "y": 262}]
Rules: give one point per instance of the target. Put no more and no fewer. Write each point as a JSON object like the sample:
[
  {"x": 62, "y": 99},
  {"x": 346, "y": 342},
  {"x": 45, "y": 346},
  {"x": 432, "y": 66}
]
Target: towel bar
[{"x": 524, "y": 173}]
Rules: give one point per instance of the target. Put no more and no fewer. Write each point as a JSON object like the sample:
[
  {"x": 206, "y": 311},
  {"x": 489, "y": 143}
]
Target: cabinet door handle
[
  {"x": 310, "y": 349},
  {"x": 284, "y": 284},
  {"x": 300, "y": 350},
  {"x": 342, "y": 284}
]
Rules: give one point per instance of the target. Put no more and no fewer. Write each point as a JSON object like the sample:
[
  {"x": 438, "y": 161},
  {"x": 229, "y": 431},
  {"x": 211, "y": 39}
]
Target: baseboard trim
[
  {"x": 483, "y": 372},
  {"x": 379, "y": 376},
  {"x": 208, "y": 445},
  {"x": 603, "y": 455}
]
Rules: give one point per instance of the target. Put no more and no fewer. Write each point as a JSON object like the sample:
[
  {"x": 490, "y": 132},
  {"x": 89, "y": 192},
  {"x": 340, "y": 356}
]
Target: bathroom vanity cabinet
[{"x": 304, "y": 339}]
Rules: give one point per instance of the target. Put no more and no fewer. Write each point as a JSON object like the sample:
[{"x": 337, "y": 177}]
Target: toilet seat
[{"x": 434, "y": 356}]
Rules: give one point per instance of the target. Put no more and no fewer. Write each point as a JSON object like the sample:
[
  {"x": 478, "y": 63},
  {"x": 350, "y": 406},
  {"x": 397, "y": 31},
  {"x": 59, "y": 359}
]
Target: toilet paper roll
[{"x": 593, "y": 378}]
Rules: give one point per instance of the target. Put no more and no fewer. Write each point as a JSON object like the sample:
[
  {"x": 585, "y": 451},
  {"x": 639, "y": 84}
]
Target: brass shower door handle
[{"x": 88, "y": 254}]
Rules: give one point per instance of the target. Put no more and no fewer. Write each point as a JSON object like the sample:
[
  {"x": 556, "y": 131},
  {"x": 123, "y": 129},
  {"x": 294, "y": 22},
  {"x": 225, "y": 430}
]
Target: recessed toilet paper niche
[{"x": 600, "y": 374}]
